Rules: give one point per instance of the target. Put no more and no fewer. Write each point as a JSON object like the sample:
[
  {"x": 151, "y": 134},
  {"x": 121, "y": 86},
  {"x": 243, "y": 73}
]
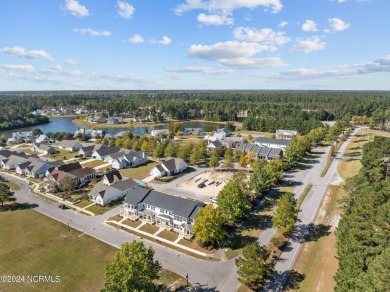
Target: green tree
[
  {"x": 145, "y": 146},
  {"x": 233, "y": 203},
  {"x": 214, "y": 159},
  {"x": 5, "y": 193},
  {"x": 208, "y": 227},
  {"x": 68, "y": 184},
  {"x": 229, "y": 158},
  {"x": 132, "y": 269},
  {"x": 260, "y": 180},
  {"x": 170, "y": 150},
  {"x": 285, "y": 214},
  {"x": 37, "y": 132},
  {"x": 253, "y": 268}
]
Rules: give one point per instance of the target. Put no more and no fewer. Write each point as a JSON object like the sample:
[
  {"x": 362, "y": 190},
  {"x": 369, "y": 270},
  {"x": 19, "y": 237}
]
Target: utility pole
[{"x": 187, "y": 279}]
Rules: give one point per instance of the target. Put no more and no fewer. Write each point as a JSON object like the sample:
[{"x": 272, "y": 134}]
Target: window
[{"x": 153, "y": 208}]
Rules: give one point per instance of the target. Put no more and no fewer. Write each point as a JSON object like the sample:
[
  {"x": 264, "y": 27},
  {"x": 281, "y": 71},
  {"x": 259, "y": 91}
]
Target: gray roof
[
  {"x": 68, "y": 143},
  {"x": 6, "y": 153},
  {"x": 171, "y": 163},
  {"x": 263, "y": 140},
  {"x": 264, "y": 151},
  {"x": 41, "y": 138},
  {"x": 99, "y": 188},
  {"x": 275, "y": 152},
  {"x": 124, "y": 185},
  {"x": 110, "y": 176},
  {"x": 216, "y": 143},
  {"x": 225, "y": 130},
  {"x": 179, "y": 206},
  {"x": 136, "y": 195},
  {"x": 69, "y": 166},
  {"x": 43, "y": 146},
  {"x": 105, "y": 151},
  {"x": 248, "y": 147},
  {"x": 160, "y": 168}
]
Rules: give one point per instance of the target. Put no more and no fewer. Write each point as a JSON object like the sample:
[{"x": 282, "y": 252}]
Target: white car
[{"x": 213, "y": 200}]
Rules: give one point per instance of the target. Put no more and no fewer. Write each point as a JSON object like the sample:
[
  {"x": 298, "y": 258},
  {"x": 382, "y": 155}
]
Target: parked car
[
  {"x": 201, "y": 185},
  {"x": 62, "y": 206},
  {"x": 213, "y": 200}
]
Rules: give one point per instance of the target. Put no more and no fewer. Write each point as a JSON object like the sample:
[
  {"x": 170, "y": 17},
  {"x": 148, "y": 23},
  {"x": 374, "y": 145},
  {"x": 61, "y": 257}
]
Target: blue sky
[{"x": 194, "y": 44}]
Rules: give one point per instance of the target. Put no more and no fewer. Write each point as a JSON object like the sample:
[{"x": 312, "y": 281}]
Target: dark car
[
  {"x": 62, "y": 206},
  {"x": 201, "y": 185}
]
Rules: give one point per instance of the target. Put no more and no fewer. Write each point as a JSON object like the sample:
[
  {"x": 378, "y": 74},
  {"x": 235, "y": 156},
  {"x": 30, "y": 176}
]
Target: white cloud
[
  {"x": 337, "y": 24},
  {"x": 253, "y": 63},
  {"x": 178, "y": 77},
  {"x": 264, "y": 35},
  {"x": 227, "y": 5},
  {"x": 343, "y": 71},
  {"x": 92, "y": 32},
  {"x": 194, "y": 69},
  {"x": 75, "y": 8},
  {"x": 225, "y": 50},
  {"x": 136, "y": 39},
  {"x": 309, "y": 25},
  {"x": 236, "y": 54},
  {"x": 22, "y": 68},
  {"x": 70, "y": 62},
  {"x": 125, "y": 10},
  {"x": 165, "y": 41},
  {"x": 308, "y": 45},
  {"x": 283, "y": 23},
  {"x": 198, "y": 69},
  {"x": 22, "y": 52},
  {"x": 340, "y": 1},
  {"x": 215, "y": 19}
]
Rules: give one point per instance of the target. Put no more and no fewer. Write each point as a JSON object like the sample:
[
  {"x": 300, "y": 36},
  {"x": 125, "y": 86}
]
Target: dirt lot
[{"x": 211, "y": 190}]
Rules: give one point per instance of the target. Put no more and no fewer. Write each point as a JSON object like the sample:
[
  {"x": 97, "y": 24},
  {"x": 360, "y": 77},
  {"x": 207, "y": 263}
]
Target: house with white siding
[
  {"x": 43, "y": 148},
  {"x": 70, "y": 145},
  {"x": 171, "y": 166}
]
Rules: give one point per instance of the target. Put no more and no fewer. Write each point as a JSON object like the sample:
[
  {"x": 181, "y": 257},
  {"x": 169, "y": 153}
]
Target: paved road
[
  {"x": 309, "y": 209},
  {"x": 203, "y": 274}
]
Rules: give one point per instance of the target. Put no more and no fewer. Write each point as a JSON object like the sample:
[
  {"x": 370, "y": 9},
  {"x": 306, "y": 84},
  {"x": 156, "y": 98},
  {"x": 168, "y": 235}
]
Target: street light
[{"x": 187, "y": 278}]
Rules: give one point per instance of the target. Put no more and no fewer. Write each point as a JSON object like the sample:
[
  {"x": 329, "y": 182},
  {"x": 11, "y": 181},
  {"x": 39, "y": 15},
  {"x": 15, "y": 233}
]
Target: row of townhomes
[
  {"x": 118, "y": 157},
  {"x": 166, "y": 211}
]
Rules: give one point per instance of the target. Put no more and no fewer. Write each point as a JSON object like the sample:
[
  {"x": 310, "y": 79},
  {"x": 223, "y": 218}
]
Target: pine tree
[{"x": 286, "y": 214}]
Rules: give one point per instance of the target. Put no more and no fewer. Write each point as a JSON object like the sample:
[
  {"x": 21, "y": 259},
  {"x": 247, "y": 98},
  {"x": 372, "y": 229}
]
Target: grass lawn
[
  {"x": 83, "y": 203},
  {"x": 13, "y": 186},
  {"x": 195, "y": 245},
  {"x": 316, "y": 264},
  {"x": 61, "y": 154},
  {"x": 133, "y": 224},
  {"x": 140, "y": 172},
  {"x": 168, "y": 235},
  {"x": 265, "y": 134},
  {"x": 97, "y": 209},
  {"x": 33, "y": 244},
  {"x": 149, "y": 228},
  {"x": 177, "y": 282},
  {"x": 28, "y": 151},
  {"x": 93, "y": 164}
]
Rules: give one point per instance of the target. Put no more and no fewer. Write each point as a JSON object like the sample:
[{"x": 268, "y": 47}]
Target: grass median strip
[{"x": 303, "y": 195}]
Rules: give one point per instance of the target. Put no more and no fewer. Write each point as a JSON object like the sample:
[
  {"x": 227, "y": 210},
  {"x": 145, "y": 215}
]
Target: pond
[{"x": 66, "y": 125}]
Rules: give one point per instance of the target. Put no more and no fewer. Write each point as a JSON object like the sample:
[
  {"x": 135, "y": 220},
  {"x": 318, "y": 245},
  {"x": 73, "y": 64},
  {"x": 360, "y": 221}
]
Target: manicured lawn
[
  {"x": 168, "y": 235},
  {"x": 140, "y": 172},
  {"x": 149, "y": 228},
  {"x": 83, "y": 203},
  {"x": 61, "y": 154},
  {"x": 178, "y": 283},
  {"x": 93, "y": 164},
  {"x": 349, "y": 167},
  {"x": 195, "y": 245},
  {"x": 33, "y": 244},
  {"x": 133, "y": 224},
  {"x": 97, "y": 209}
]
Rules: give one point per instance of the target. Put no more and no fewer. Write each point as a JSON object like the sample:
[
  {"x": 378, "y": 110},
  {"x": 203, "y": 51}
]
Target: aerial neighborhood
[{"x": 197, "y": 189}]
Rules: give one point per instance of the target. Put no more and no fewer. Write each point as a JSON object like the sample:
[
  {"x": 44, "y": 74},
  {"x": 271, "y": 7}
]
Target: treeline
[
  {"x": 270, "y": 117},
  {"x": 363, "y": 235},
  {"x": 210, "y": 105},
  {"x": 18, "y": 116}
]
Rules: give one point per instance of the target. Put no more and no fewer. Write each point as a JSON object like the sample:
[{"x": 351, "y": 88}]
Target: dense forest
[
  {"x": 363, "y": 234},
  {"x": 18, "y": 116},
  {"x": 280, "y": 107}
]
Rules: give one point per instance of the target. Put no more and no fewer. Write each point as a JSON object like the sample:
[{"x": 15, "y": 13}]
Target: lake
[{"x": 66, "y": 125}]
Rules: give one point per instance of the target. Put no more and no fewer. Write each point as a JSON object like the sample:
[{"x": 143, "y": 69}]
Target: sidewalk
[{"x": 158, "y": 239}]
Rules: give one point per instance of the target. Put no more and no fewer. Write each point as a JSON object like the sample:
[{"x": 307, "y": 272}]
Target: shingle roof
[
  {"x": 136, "y": 195},
  {"x": 111, "y": 175},
  {"x": 275, "y": 152},
  {"x": 70, "y": 166},
  {"x": 180, "y": 206},
  {"x": 263, "y": 140},
  {"x": 125, "y": 184},
  {"x": 82, "y": 172},
  {"x": 172, "y": 163},
  {"x": 68, "y": 143},
  {"x": 104, "y": 151}
]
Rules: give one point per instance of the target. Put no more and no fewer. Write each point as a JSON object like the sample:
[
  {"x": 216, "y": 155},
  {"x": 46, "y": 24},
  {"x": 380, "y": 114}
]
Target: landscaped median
[{"x": 162, "y": 237}]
